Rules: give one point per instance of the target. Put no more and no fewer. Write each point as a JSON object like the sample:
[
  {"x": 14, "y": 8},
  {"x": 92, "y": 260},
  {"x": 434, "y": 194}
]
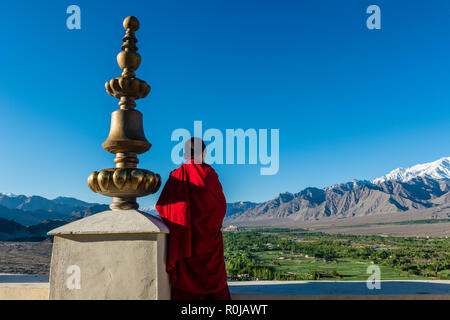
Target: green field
[
  {"x": 347, "y": 269},
  {"x": 295, "y": 254}
]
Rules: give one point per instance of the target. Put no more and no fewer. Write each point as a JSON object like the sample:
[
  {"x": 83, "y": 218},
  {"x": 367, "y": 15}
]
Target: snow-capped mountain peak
[
  {"x": 439, "y": 170},
  {"x": 8, "y": 194}
]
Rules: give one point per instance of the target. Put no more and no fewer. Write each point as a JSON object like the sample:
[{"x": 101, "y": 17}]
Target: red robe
[{"x": 193, "y": 206}]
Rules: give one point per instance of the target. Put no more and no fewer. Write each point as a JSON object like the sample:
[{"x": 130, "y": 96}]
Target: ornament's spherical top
[{"x": 131, "y": 23}]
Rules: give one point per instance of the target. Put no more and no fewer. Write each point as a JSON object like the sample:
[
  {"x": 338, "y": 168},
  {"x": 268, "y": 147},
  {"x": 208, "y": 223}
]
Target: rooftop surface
[
  {"x": 285, "y": 290},
  {"x": 340, "y": 287}
]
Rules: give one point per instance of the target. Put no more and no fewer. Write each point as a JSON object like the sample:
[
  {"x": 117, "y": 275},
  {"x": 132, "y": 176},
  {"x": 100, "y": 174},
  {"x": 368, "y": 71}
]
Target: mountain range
[
  {"x": 23, "y": 217},
  {"x": 421, "y": 187},
  {"x": 35, "y": 209}
]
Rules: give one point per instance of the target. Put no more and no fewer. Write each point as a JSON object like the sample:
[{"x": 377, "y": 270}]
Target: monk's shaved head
[{"x": 194, "y": 149}]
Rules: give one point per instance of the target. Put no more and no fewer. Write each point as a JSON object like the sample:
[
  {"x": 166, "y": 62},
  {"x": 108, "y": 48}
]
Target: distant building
[{"x": 231, "y": 228}]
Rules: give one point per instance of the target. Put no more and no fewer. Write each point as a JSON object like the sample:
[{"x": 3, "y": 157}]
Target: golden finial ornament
[{"x": 126, "y": 138}]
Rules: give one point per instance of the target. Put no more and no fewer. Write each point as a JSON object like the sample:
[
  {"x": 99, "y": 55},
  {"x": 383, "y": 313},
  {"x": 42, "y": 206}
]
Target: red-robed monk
[{"x": 193, "y": 206}]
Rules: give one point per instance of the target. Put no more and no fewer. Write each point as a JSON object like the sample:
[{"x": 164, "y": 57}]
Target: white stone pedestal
[{"x": 110, "y": 255}]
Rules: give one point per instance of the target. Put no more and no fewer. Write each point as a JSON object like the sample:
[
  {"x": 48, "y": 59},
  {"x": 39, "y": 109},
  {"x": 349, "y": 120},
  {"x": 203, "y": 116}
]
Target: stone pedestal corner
[{"x": 117, "y": 254}]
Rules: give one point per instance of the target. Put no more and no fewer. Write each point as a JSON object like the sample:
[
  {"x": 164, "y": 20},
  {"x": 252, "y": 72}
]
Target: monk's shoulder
[
  {"x": 208, "y": 169},
  {"x": 211, "y": 174},
  {"x": 176, "y": 173}
]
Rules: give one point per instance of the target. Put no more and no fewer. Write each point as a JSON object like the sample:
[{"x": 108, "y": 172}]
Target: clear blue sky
[{"x": 349, "y": 102}]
